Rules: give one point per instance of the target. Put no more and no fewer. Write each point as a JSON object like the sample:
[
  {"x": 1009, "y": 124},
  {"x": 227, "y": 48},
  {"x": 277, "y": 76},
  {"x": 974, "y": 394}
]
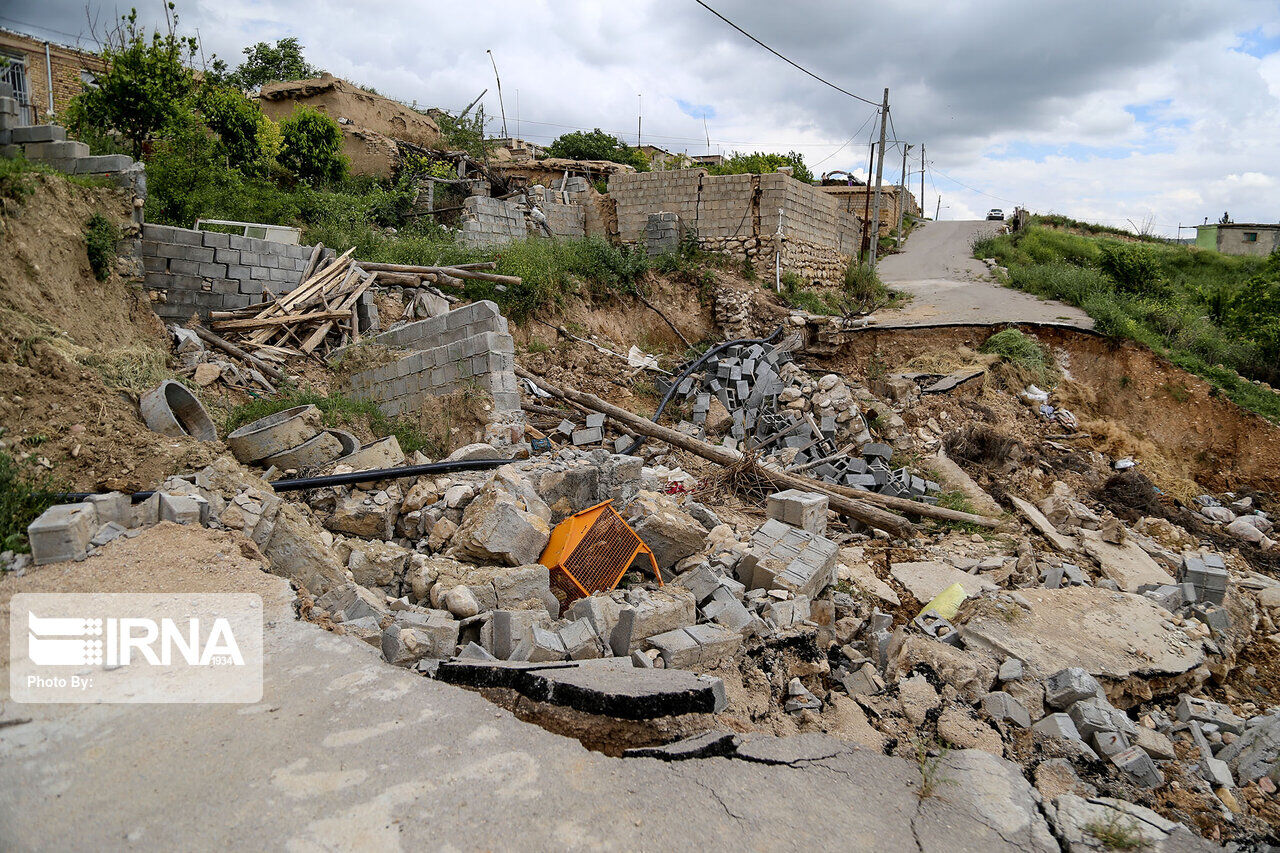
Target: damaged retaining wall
[
  {"x": 490, "y": 221},
  {"x": 739, "y": 215},
  {"x": 195, "y": 272},
  {"x": 467, "y": 346}
]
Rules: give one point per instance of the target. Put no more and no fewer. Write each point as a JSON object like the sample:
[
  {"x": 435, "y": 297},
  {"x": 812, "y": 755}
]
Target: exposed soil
[{"x": 61, "y": 330}]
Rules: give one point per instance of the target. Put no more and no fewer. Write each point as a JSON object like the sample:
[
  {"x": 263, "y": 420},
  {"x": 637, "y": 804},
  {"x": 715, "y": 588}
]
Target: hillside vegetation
[{"x": 1215, "y": 315}]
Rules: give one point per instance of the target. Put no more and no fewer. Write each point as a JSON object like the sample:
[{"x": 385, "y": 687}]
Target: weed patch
[
  {"x": 24, "y": 494},
  {"x": 1025, "y": 352}
]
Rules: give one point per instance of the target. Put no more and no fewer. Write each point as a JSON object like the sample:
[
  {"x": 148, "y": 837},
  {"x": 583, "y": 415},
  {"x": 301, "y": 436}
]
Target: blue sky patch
[
  {"x": 1258, "y": 44},
  {"x": 696, "y": 110}
]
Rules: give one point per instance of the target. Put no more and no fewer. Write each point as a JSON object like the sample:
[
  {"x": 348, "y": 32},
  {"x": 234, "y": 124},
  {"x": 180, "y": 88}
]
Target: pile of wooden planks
[
  {"x": 319, "y": 312},
  {"x": 408, "y": 275}
]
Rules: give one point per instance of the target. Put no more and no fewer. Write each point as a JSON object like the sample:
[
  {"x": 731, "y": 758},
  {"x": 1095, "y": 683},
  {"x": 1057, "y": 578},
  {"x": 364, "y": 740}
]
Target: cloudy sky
[{"x": 1124, "y": 112}]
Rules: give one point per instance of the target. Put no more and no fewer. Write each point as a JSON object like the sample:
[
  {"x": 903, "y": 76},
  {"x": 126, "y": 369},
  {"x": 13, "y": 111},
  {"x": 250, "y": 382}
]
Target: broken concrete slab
[
  {"x": 670, "y": 532},
  {"x": 925, "y": 580},
  {"x": 496, "y": 527},
  {"x": 1077, "y": 819},
  {"x": 1114, "y": 636},
  {"x": 1043, "y": 526},
  {"x": 62, "y": 532},
  {"x": 617, "y": 690},
  {"x": 980, "y": 783},
  {"x": 704, "y": 745},
  {"x": 1127, "y": 564}
]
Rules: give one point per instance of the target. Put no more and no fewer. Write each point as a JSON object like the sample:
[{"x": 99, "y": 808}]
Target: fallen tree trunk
[
  {"x": 456, "y": 272},
  {"x": 875, "y": 517}
]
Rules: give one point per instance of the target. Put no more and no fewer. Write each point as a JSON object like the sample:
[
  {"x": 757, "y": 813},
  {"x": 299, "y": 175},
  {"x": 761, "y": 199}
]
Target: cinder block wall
[
  {"x": 490, "y": 222},
  {"x": 195, "y": 272},
  {"x": 467, "y": 346},
  {"x": 565, "y": 220}
]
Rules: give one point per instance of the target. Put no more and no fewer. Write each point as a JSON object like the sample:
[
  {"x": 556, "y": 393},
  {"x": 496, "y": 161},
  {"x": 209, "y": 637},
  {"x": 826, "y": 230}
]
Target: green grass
[
  {"x": 100, "y": 238},
  {"x": 25, "y": 492},
  {"x": 1189, "y": 305},
  {"x": 1117, "y": 833},
  {"x": 338, "y": 410},
  {"x": 1015, "y": 347}
]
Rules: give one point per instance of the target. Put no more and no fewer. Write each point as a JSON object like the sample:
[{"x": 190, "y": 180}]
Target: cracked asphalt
[{"x": 345, "y": 752}]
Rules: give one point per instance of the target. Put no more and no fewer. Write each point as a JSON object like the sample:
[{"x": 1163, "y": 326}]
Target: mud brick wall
[
  {"x": 490, "y": 222},
  {"x": 195, "y": 272},
  {"x": 738, "y": 215}
]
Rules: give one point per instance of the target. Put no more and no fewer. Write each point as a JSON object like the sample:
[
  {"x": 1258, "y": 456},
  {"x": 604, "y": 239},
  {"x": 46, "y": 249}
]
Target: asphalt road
[{"x": 948, "y": 285}]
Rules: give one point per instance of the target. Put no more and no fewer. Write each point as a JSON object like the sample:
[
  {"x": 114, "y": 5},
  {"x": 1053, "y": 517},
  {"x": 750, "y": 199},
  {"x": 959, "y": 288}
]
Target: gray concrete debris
[
  {"x": 701, "y": 646},
  {"x": 1205, "y": 711},
  {"x": 1256, "y": 752},
  {"x": 785, "y": 557},
  {"x": 1001, "y": 706},
  {"x": 1068, "y": 686},
  {"x": 1010, "y": 670},
  {"x": 62, "y": 532},
  {"x": 275, "y": 433},
  {"x": 1076, "y": 819},
  {"x": 806, "y": 510},
  {"x": 800, "y": 698},
  {"x": 1139, "y": 767},
  {"x": 609, "y": 687},
  {"x": 704, "y": 745}
]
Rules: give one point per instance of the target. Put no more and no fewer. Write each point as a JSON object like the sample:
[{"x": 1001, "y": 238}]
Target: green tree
[
  {"x": 146, "y": 86},
  {"x": 249, "y": 140},
  {"x": 1255, "y": 310},
  {"x": 265, "y": 63},
  {"x": 597, "y": 145},
  {"x": 760, "y": 163},
  {"x": 311, "y": 146}
]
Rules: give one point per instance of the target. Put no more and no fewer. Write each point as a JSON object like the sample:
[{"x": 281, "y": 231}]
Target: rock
[
  {"x": 434, "y": 636},
  {"x": 375, "y": 563},
  {"x": 441, "y": 532},
  {"x": 1068, "y": 686},
  {"x": 660, "y": 610},
  {"x": 1056, "y": 776},
  {"x": 926, "y": 580},
  {"x": 461, "y": 602},
  {"x": 297, "y": 551},
  {"x": 499, "y": 527},
  {"x": 357, "y": 514},
  {"x": 860, "y": 574},
  {"x": 1080, "y": 822},
  {"x": 1002, "y": 706},
  {"x": 1112, "y": 636},
  {"x": 474, "y": 451},
  {"x": 207, "y": 374},
  {"x": 494, "y": 587},
  {"x": 993, "y": 791},
  {"x": 349, "y": 602},
  {"x": 668, "y": 530},
  {"x": 1256, "y": 752},
  {"x": 1128, "y": 565},
  {"x": 972, "y": 673},
  {"x": 917, "y": 698},
  {"x": 958, "y": 726},
  {"x": 569, "y": 491},
  {"x": 1154, "y": 743}
]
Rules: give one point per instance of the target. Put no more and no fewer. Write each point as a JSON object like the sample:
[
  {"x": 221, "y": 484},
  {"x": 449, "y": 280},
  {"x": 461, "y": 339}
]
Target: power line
[
  {"x": 785, "y": 59},
  {"x": 869, "y": 117},
  {"x": 40, "y": 27}
]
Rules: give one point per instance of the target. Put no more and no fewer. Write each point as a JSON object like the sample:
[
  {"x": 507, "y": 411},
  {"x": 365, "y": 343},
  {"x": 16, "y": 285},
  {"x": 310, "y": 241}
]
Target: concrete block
[
  {"x": 1068, "y": 686},
  {"x": 112, "y": 507},
  {"x": 62, "y": 532},
  {"x": 38, "y": 133},
  {"x": 183, "y": 509},
  {"x": 1001, "y": 706},
  {"x": 1058, "y": 725},
  {"x": 1138, "y": 766},
  {"x": 806, "y": 510},
  {"x": 1205, "y": 711}
]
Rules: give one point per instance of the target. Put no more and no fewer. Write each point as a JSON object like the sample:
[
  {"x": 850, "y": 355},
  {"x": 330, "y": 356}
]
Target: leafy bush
[
  {"x": 597, "y": 145},
  {"x": 760, "y": 163},
  {"x": 145, "y": 87},
  {"x": 863, "y": 285},
  {"x": 100, "y": 238},
  {"x": 311, "y": 146},
  {"x": 1131, "y": 266},
  {"x": 249, "y": 140},
  {"x": 24, "y": 494}
]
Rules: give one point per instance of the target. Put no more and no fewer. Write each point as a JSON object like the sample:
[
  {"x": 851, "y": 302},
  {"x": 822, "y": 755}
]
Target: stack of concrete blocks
[
  {"x": 72, "y": 531},
  {"x": 1208, "y": 574},
  {"x": 470, "y": 345},
  {"x": 195, "y": 272},
  {"x": 48, "y": 144},
  {"x": 491, "y": 222},
  {"x": 663, "y": 233},
  {"x": 806, "y": 510},
  {"x": 786, "y": 557}
]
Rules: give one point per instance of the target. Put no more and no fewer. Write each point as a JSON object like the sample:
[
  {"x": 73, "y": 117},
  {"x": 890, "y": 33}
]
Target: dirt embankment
[
  {"x": 75, "y": 352},
  {"x": 1199, "y": 434}
]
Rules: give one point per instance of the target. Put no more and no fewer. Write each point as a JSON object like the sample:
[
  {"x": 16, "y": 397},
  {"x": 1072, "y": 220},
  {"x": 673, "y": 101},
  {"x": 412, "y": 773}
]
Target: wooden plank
[
  {"x": 319, "y": 334},
  {"x": 287, "y": 319}
]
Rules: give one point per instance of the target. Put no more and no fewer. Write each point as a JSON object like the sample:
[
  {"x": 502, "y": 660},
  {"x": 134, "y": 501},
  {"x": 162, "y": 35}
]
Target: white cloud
[{"x": 1046, "y": 83}]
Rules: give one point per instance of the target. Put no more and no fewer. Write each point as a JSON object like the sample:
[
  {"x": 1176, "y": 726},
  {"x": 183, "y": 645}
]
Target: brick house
[{"x": 29, "y": 65}]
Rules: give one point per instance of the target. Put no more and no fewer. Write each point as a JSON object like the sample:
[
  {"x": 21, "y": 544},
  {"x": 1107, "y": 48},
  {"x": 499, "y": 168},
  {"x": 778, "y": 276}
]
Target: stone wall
[
  {"x": 739, "y": 215},
  {"x": 467, "y": 346},
  {"x": 195, "y": 272}
]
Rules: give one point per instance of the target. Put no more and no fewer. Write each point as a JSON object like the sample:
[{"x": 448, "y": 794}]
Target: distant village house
[{"x": 44, "y": 75}]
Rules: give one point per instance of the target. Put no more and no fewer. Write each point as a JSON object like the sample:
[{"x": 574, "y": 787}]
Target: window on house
[
  {"x": 13, "y": 70},
  {"x": 88, "y": 78},
  {"x": 1251, "y": 236}
]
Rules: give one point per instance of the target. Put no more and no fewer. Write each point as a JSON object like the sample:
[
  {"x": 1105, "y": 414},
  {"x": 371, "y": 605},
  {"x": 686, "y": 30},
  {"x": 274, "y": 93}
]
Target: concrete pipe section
[
  {"x": 171, "y": 409},
  {"x": 383, "y": 453},
  {"x": 316, "y": 451},
  {"x": 275, "y": 433},
  {"x": 350, "y": 444}
]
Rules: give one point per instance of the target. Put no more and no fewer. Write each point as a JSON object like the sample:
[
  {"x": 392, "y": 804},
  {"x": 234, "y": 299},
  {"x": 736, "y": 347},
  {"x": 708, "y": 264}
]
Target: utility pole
[
  {"x": 921, "y": 179},
  {"x": 639, "y": 116},
  {"x": 938, "y": 212},
  {"x": 902, "y": 193},
  {"x": 501, "y": 108},
  {"x": 866, "y": 204},
  {"x": 875, "y": 216}
]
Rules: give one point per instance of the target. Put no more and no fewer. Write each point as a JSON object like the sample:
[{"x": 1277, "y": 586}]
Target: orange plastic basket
[{"x": 590, "y": 551}]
